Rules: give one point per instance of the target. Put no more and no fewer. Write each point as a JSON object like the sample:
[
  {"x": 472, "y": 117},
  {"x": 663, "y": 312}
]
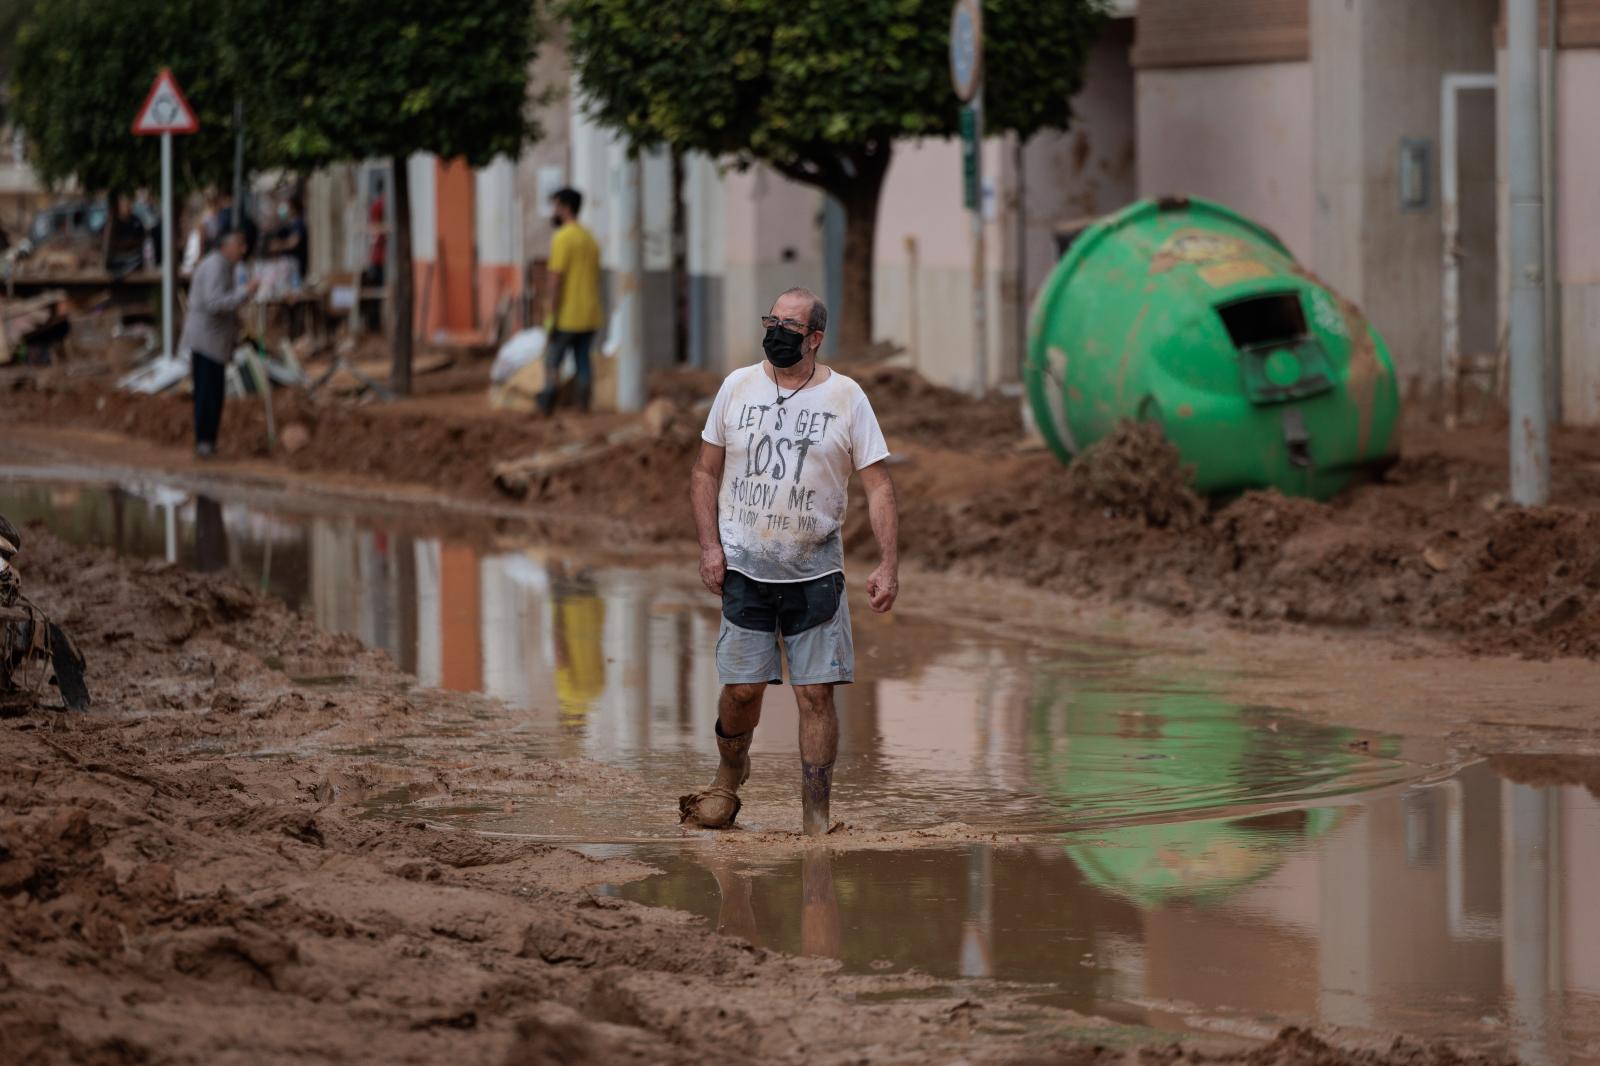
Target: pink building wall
[
  {"x": 1237, "y": 134},
  {"x": 1578, "y": 232},
  {"x": 922, "y": 293}
]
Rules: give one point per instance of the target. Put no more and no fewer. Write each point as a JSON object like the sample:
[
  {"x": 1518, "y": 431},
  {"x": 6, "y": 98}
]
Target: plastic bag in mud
[{"x": 523, "y": 348}]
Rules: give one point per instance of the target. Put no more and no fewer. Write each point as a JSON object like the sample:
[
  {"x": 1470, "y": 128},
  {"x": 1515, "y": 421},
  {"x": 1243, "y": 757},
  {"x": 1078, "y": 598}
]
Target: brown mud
[
  {"x": 1134, "y": 473},
  {"x": 187, "y": 875},
  {"x": 1431, "y": 548}
]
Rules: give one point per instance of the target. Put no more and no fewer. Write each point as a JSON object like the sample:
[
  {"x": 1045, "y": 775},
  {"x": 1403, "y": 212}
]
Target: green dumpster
[{"x": 1182, "y": 312}]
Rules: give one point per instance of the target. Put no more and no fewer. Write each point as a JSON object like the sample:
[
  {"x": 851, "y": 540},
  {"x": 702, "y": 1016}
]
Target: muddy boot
[
  {"x": 718, "y": 806},
  {"x": 816, "y": 785}
]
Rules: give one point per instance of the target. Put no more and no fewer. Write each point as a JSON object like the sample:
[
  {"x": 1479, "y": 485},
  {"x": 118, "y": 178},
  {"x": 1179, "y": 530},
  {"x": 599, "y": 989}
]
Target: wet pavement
[{"x": 1161, "y": 855}]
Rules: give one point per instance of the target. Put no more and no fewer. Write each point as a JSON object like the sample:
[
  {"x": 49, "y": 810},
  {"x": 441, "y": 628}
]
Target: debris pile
[
  {"x": 32, "y": 330},
  {"x": 1136, "y": 472},
  {"x": 34, "y": 651}
]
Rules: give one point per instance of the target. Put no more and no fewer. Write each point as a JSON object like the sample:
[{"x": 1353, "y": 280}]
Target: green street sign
[{"x": 969, "y": 157}]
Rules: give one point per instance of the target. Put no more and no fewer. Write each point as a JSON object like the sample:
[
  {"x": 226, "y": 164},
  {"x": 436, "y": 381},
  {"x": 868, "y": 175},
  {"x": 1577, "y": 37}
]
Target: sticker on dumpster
[
  {"x": 1326, "y": 315},
  {"x": 1221, "y": 275},
  {"x": 1196, "y": 246}
]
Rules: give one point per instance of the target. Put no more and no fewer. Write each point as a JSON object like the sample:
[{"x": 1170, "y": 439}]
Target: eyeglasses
[{"x": 768, "y": 321}]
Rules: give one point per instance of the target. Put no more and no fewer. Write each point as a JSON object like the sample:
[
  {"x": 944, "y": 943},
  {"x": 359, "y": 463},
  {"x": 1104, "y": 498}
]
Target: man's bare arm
[
  {"x": 883, "y": 585},
  {"x": 705, "y": 483}
]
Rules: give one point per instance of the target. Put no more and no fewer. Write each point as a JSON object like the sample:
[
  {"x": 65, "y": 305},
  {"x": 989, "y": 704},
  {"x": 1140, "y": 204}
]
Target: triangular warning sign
[{"x": 165, "y": 110}]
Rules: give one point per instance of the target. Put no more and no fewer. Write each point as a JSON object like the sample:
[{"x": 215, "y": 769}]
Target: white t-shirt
[{"x": 786, "y": 476}]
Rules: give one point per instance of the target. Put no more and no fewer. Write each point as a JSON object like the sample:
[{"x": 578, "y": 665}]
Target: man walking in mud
[{"x": 769, "y": 493}]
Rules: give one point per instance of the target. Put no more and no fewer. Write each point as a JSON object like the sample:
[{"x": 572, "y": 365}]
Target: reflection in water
[
  {"x": 210, "y": 536},
  {"x": 580, "y": 621},
  {"x": 820, "y": 930},
  {"x": 1367, "y": 925},
  {"x": 1117, "y": 756},
  {"x": 819, "y": 906},
  {"x": 1185, "y": 855}
]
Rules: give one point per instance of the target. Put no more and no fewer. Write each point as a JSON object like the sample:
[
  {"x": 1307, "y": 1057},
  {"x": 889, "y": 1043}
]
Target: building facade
[{"x": 1320, "y": 119}]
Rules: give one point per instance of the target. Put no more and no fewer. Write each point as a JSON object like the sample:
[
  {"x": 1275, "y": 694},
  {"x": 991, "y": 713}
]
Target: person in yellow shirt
[{"x": 574, "y": 314}]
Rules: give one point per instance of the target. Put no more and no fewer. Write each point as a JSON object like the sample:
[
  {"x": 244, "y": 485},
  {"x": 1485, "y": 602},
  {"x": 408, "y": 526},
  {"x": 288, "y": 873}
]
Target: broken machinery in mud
[{"x": 34, "y": 651}]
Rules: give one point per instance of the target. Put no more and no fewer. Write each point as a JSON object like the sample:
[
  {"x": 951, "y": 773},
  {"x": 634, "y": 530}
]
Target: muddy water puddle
[{"x": 1137, "y": 844}]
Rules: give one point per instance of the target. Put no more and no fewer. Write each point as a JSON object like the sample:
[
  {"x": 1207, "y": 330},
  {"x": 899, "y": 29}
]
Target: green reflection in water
[{"x": 1143, "y": 762}]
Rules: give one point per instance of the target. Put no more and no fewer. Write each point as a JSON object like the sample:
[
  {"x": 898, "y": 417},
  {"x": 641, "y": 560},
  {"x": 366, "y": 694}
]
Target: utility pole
[
  {"x": 630, "y": 286},
  {"x": 1530, "y": 423},
  {"x": 980, "y": 256}
]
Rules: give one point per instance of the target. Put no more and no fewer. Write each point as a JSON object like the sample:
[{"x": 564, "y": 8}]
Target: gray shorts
[{"x": 811, "y": 619}]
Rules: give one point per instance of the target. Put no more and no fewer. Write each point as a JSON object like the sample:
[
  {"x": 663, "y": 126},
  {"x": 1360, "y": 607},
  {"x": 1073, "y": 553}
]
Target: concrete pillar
[{"x": 1376, "y": 72}]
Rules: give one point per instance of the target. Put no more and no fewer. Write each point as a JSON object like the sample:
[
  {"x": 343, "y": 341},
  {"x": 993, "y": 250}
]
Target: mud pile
[
  {"x": 1136, "y": 473},
  {"x": 912, "y": 410},
  {"x": 1501, "y": 581},
  {"x": 404, "y": 443}
]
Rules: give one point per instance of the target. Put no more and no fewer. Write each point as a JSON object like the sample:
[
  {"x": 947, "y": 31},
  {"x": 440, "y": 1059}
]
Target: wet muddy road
[{"x": 1075, "y": 811}]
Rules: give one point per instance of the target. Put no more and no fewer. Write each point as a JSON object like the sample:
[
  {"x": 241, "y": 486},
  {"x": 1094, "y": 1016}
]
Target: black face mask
[
  {"x": 784, "y": 349},
  {"x": 555, "y": 222}
]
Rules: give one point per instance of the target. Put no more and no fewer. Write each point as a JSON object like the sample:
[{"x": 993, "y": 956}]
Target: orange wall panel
[{"x": 457, "y": 267}]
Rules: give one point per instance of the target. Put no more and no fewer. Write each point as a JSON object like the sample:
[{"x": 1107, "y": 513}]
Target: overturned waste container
[{"x": 1182, "y": 312}]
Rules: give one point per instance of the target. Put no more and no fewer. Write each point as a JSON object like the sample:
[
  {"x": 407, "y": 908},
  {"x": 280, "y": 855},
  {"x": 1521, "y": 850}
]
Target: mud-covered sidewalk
[
  {"x": 197, "y": 871},
  {"x": 1431, "y": 548}
]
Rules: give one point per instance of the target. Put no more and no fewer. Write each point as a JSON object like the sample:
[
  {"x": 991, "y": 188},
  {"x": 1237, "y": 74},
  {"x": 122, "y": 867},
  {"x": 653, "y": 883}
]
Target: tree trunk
[
  {"x": 403, "y": 285},
  {"x": 680, "y": 264},
  {"x": 860, "y": 202}
]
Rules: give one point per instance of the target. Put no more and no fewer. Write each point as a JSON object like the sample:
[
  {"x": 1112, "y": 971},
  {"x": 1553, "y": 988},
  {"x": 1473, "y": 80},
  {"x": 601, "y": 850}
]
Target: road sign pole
[
  {"x": 166, "y": 245},
  {"x": 966, "y": 77},
  {"x": 980, "y": 260},
  {"x": 165, "y": 112}
]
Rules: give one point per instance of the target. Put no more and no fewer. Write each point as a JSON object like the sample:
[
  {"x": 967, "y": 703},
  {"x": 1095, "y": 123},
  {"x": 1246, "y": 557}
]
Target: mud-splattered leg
[
  {"x": 717, "y": 807},
  {"x": 739, "y": 708},
  {"x": 819, "y": 744}
]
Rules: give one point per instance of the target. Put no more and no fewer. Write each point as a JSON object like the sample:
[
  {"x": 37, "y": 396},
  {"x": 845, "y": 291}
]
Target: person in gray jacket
[{"x": 210, "y": 332}]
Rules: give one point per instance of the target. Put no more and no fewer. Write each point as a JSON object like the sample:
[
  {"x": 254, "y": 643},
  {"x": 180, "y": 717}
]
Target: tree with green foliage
[
  {"x": 14, "y": 14},
  {"x": 821, "y": 90},
  {"x": 347, "y": 80},
  {"x": 81, "y": 69}
]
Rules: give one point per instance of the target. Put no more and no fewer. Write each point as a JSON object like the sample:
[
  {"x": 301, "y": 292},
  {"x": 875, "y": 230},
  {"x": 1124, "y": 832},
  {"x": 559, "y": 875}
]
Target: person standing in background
[
  {"x": 125, "y": 241},
  {"x": 210, "y": 332},
  {"x": 228, "y": 218},
  {"x": 377, "y": 242},
  {"x": 574, "y": 314},
  {"x": 198, "y": 241},
  {"x": 290, "y": 239}
]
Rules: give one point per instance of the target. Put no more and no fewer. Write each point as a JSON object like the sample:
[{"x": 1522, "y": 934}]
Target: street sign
[
  {"x": 969, "y": 157},
  {"x": 966, "y": 48},
  {"x": 165, "y": 110}
]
